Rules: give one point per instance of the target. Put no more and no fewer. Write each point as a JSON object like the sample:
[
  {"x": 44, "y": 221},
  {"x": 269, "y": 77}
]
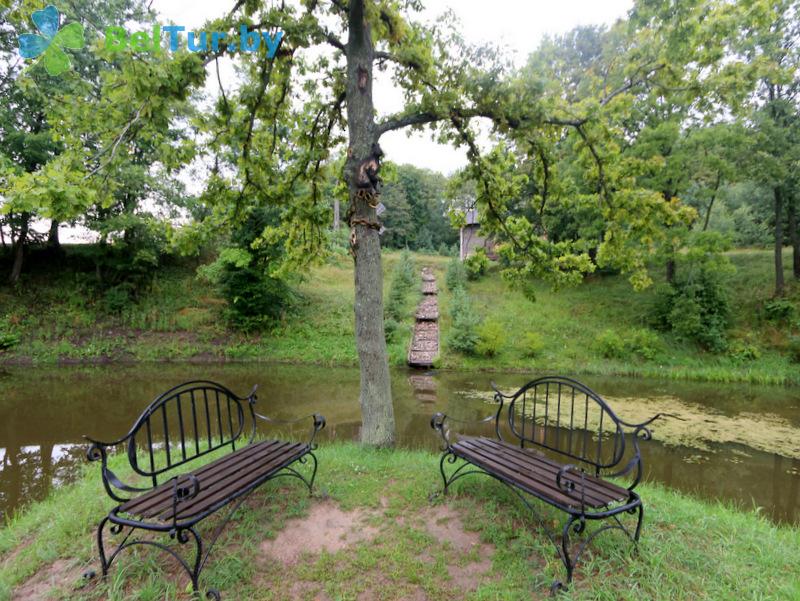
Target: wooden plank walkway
[{"x": 425, "y": 342}]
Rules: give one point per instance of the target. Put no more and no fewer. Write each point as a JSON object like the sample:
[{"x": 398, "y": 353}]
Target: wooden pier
[{"x": 425, "y": 342}]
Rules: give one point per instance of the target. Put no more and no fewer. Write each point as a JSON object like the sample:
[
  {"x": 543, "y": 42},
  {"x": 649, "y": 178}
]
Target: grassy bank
[
  {"x": 571, "y": 321},
  {"x": 181, "y": 318},
  {"x": 393, "y": 543}
]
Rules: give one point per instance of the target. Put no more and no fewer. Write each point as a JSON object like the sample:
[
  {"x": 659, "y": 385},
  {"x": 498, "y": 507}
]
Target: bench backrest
[
  {"x": 567, "y": 417},
  {"x": 187, "y": 422}
]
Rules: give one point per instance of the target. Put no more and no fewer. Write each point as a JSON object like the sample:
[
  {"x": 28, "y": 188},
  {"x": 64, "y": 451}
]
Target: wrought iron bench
[
  {"x": 568, "y": 420},
  {"x": 183, "y": 424}
]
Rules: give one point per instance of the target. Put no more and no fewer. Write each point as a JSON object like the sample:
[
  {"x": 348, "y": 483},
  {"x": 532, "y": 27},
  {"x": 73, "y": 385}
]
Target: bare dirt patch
[
  {"x": 56, "y": 575},
  {"x": 416, "y": 594},
  {"x": 325, "y": 528},
  {"x": 445, "y": 524},
  {"x": 469, "y": 576}
]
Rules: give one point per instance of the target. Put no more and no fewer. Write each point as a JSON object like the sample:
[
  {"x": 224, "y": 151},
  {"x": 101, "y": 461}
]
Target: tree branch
[{"x": 401, "y": 121}]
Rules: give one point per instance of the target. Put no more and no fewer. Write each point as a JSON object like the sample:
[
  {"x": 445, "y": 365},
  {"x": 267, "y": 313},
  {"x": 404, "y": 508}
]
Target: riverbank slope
[{"x": 52, "y": 319}]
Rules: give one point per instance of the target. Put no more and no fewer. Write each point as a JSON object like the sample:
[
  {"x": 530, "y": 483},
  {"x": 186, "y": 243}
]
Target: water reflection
[{"x": 44, "y": 413}]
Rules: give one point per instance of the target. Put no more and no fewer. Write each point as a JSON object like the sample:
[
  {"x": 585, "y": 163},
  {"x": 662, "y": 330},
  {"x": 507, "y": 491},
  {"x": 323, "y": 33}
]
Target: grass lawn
[
  {"x": 180, "y": 318},
  {"x": 371, "y": 532}
]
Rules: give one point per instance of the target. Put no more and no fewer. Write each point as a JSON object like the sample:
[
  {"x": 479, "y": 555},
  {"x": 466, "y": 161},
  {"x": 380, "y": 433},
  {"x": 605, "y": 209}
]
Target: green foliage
[
  {"x": 641, "y": 343},
  {"x": 611, "y": 345},
  {"x": 794, "y": 349},
  {"x": 456, "y": 275},
  {"x": 396, "y": 307},
  {"x": 743, "y": 351},
  {"x": 476, "y": 264},
  {"x": 255, "y": 301},
  {"x": 415, "y": 216},
  {"x": 9, "y": 336},
  {"x": 491, "y": 338},
  {"x": 532, "y": 344},
  {"x": 463, "y": 336},
  {"x": 696, "y": 306},
  {"x": 780, "y": 310},
  {"x": 249, "y": 275}
]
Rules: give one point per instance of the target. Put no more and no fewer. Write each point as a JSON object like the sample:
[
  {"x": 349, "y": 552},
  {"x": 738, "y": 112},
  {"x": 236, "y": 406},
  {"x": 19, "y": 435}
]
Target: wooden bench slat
[
  {"x": 238, "y": 483},
  {"x": 145, "y": 501},
  {"x": 547, "y": 476},
  {"x": 221, "y": 474},
  {"x": 606, "y": 488},
  {"x": 522, "y": 468},
  {"x": 493, "y": 464}
]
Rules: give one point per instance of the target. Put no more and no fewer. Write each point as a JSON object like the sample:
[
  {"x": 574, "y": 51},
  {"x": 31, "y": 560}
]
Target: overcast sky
[{"x": 518, "y": 25}]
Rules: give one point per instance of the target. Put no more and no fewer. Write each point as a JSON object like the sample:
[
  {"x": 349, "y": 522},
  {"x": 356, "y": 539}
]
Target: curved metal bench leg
[
  {"x": 182, "y": 536},
  {"x": 293, "y": 473},
  {"x": 451, "y": 458},
  {"x": 578, "y": 525},
  {"x": 639, "y": 523}
]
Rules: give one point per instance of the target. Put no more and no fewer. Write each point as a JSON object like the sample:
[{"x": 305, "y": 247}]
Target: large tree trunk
[
  {"x": 794, "y": 236},
  {"x": 19, "y": 249},
  {"x": 361, "y": 170},
  {"x": 779, "y": 284}
]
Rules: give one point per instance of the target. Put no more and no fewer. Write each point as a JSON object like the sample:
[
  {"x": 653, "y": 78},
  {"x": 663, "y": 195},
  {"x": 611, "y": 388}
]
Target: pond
[{"x": 738, "y": 443}]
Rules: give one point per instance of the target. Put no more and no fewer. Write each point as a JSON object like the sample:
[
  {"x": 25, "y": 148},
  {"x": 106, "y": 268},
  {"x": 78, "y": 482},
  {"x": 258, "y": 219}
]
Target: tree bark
[
  {"x": 779, "y": 283},
  {"x": 19, "y": 249},
  {"x": 378, "y": 424},
  {"x": 53, "y": 243},
  {"x": 794, "y": 236},
  {"x": 670, "y": 272},
  {"x": 711, "y": 202},
  {"x": 336, "y": 214}
]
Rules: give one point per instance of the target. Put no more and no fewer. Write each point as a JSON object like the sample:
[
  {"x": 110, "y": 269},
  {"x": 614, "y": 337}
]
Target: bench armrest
[
  {"x": 439, "y": 423},
  {"x": 111, "y": 482},
  {"x": 318, "y": 424},
  {"x": 639, "y": 432}
]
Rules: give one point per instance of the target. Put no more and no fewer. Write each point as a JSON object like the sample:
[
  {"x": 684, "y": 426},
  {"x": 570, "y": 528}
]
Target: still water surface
[{"x": 45, "y": 411}]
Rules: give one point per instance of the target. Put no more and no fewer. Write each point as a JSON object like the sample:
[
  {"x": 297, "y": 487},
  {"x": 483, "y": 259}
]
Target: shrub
[
  {"x": 610, "y": 345},
  {"x": 463, "y": 336},
  {"x": 456, "y": 276},
  {"x": 390, "y": 327},
  {"x": 491, "y": 338},
  {"x": 9, "y": 338},
  {"x": 476, "y": 264},
  {"x": 645, "y": 343},
  {"x": 696, "y": 306},
  {"x": 532, "y": 344},
  {"x": 794, "y": 349},
  {"x": 245, "y": 274},
  {"x": 118, "y": 298},
  {"x": 405, "y": 269},
  {"x": 642, "y": 342},
  {"x": 741, "y": 350},
  {"x": 780, "y": 310},
  {"x": 256, "y": 301},
  {"x": 403, "y": 280}
]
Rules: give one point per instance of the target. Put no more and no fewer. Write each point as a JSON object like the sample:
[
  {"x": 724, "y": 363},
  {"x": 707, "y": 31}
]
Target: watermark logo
[
  {"x": 118, "y": 39},
  {"x": 50, "y": 42}
]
